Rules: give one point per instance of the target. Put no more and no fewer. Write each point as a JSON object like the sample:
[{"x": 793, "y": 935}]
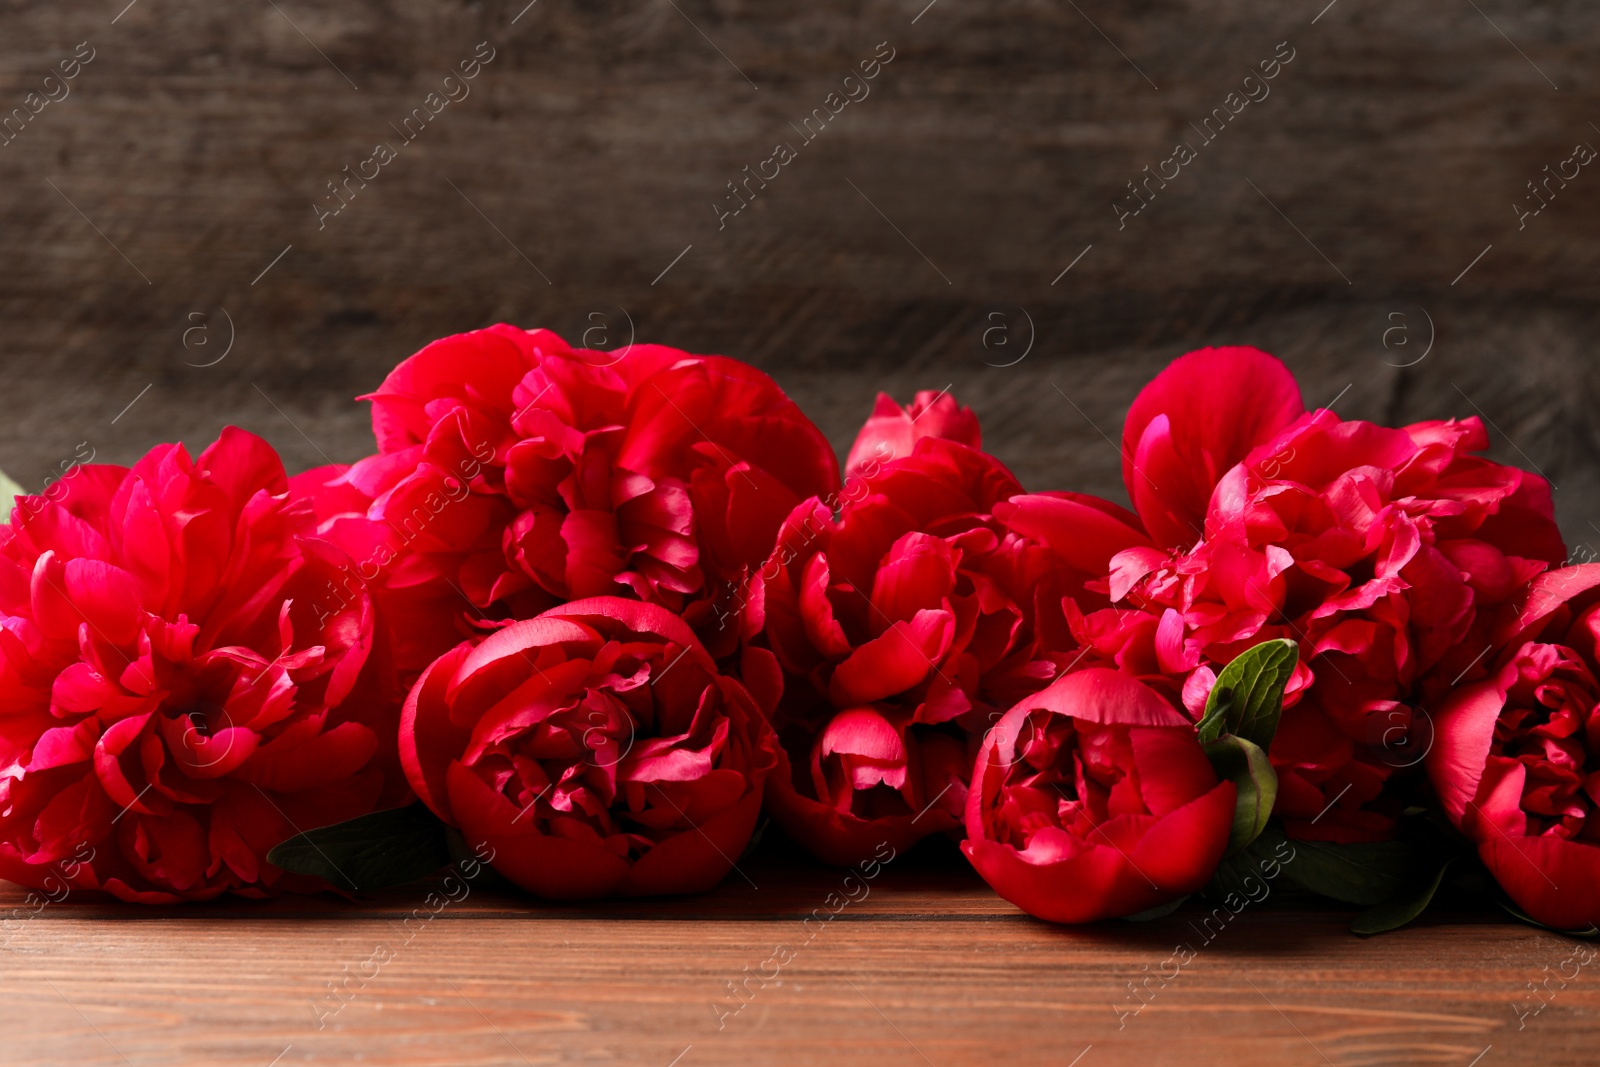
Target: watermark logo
[
  {"x": 197, "y": 338},
  {"x": 1405, "y": 337},
  {"x": 998, "y": 340},
  {"x": 1400, "y": 737},
  {"x": 599, "y": 335}
]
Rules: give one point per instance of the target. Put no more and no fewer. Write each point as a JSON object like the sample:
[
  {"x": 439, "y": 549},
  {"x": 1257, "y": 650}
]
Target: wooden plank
[{"x": 928, "y": 967}]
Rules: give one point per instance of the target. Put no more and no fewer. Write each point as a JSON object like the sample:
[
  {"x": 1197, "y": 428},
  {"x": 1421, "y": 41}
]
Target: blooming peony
[
  {"x": 178, "y": 692},
  {"x": 904, "y": 626},
  {"x": 1387, "y": 554},
  {"x": 515, "y": 473}
]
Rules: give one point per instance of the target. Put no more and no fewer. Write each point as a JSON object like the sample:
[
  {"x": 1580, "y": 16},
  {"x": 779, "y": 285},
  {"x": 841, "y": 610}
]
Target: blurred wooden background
[{"x": 593, "y": 146}]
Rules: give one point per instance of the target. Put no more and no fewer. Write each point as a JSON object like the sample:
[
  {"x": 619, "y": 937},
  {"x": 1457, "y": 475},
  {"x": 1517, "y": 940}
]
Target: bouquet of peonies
[{"x": 590, "y": 615}]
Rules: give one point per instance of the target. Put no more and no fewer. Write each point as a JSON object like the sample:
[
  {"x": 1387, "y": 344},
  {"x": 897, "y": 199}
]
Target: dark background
[{"x": 593, "y": 146}]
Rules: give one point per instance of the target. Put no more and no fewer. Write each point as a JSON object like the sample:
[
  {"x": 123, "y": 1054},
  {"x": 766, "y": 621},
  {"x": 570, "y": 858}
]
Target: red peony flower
[
  {"x": 892, "y": 430},
  {"x": 1092, "y": 799},
  {"x": 595, "y": 749},
  {"x": 904, "y": 627},
  {"x": 1386, "y": 554},
  {"x": 515, "y": 473},
  {"x": 181, "y": 691},
  {"x": 1516, "y": 760}
]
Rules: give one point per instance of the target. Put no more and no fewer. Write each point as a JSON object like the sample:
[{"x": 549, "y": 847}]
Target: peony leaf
[
  {"x": 1230, "y": 875},
  {"x": 1245, "y": 764},
  {"x": 1248, "y": 695},
  {"x": 1365, "y": 873},
  {"x": 1401, "y": 909},
  {"x": 1249, "y": 873},
  {"x": 383, "y": 848},
  {"x": 9, "y": 491},
  {"x": 1160, "y": 911}
]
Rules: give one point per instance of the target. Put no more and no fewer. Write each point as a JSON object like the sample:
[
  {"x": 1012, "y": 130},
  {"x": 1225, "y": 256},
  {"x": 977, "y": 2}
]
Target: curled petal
[{"x": 1201, "y": 415}]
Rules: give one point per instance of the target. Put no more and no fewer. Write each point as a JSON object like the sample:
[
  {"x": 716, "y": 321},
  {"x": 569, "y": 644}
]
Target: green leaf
[
  {"x": 1243, "y": 873},
  {"x": 1401, "y": 909},
  {"x": 1246, "y": 765},
  {"x": 1160, "y": 911},
  {"x": 1248, "y": 695},
  {"x": 9, "y": 491},
  {"x": 1364, "y": 873},
  {"x": 1230, "y": 874},
  {"x": 384, "y": 848}
]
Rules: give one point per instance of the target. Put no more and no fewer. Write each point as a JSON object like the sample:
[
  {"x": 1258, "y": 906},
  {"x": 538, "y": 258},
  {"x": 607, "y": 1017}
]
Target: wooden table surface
[{"x": 927, "y": 966}]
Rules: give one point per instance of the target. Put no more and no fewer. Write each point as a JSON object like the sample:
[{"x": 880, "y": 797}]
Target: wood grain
[{"x": 928, "y": 968}]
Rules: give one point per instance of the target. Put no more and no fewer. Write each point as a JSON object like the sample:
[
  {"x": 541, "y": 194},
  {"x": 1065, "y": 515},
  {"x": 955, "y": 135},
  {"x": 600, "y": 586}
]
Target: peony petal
[
  {"x": 816, "y": 610},
  {"x": 1173, "y": 768},
  {"x": 107, "y": 597},
  {"x": 842, "y": 838},
  {"x": 1547, "y": 593},
  {"x": 892, "y": 432},
  {"x": 1463, "y": 732},
  {"x": 556, "y": 868},
  {"x": 77, "y": 815},
  {"x": 428, "y": 739},
  {"x": 1084, "y": 535},
  {"x": 863, "y": 732},
  {"x": 117, "y": 740},
  {"x": 1100, "y": 695},
  {"x": 242, "y": 464},
  {"x": 1181, "y": 851},
  {"x": 696, "y": 859},
  {"x": 65, "y": 745},
  {"x": 1214, "y": 405},
  {"x": 638, "y": 617},
  {"x": 324, "y": 759},
  {"x": 918, "y": 573},
  {"x": 1095, "y": 883},
  {"x": 901, "y": 657},
  {"x": 1550, "y": 878}
]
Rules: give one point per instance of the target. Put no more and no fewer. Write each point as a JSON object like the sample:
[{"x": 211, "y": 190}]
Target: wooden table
[{"x": 928, "y": 967}]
